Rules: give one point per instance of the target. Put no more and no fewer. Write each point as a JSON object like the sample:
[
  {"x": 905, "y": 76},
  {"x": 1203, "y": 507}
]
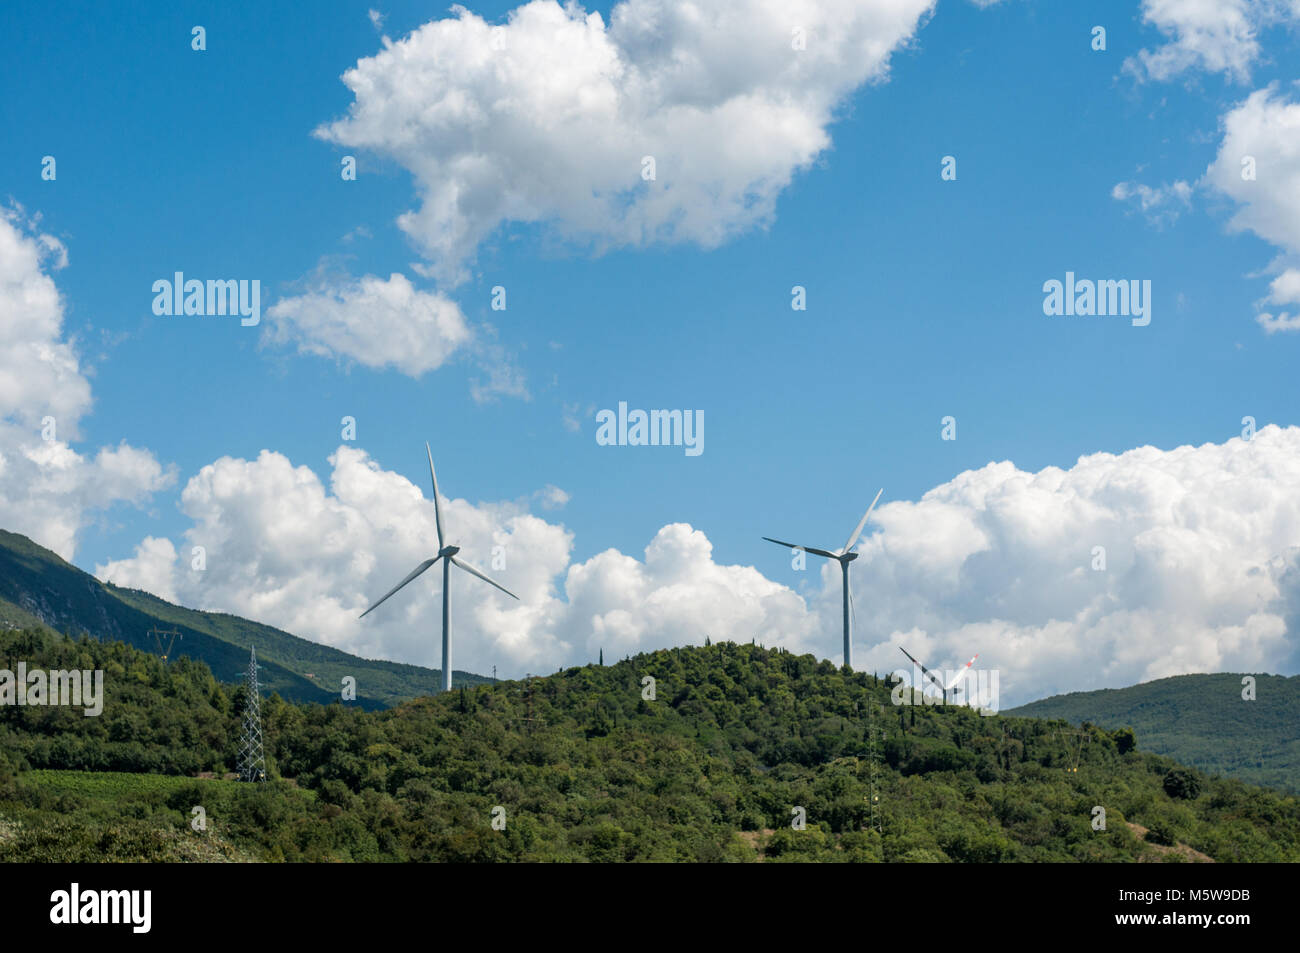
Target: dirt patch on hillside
[
  {"x": 1183, "y": 852},
  {"x": 756, "y": 839}
]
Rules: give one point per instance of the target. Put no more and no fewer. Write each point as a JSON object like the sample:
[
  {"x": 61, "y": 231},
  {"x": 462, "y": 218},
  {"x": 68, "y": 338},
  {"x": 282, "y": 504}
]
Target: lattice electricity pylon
[
  {"x": 528, "y": 694},
  {"x": 252, "y": 762},
  {"x": 1074, "y": 742},
  {"x": 158, "y": 633}
]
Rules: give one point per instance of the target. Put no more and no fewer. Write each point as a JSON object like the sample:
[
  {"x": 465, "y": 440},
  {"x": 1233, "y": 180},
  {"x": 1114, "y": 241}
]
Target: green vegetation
[
  {"x": 710, "y": 769},
  {"x": 1200, "y": 720},
  {"x": 89, "y": 817},
  {"x": 38, "y": 589}
]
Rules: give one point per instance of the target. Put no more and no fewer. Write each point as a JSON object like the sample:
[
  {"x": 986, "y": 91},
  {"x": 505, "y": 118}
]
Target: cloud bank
[{"x": 1202, "y": 556}]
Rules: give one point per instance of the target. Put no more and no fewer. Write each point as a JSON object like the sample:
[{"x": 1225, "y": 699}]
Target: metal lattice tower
[
  {"x": 252, "y": 763},
  {"x": 158, "y": 633},
  {"x": 528, "y": 719}
]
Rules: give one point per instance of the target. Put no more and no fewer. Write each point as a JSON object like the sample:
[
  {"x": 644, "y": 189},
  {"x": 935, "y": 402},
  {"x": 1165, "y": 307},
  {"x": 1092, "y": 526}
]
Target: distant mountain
[
  {"x": 37, "y": 588},
  {"x": 1200, "y": 720}
]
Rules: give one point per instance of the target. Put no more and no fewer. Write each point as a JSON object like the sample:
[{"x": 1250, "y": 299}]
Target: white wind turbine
[
  {"x": 844, "y": 556},
  {"x": 448, "y": 554}
]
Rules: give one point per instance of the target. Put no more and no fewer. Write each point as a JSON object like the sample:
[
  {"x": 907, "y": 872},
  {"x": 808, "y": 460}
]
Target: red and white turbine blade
[{"x": 961, "y": 672}]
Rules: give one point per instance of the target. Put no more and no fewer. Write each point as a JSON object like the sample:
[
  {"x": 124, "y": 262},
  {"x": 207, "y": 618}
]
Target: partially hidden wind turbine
[
  {"x": 845, "y": 556},
  {"x": 449, "y": 557},
  {"x": 956, "y": 679}
]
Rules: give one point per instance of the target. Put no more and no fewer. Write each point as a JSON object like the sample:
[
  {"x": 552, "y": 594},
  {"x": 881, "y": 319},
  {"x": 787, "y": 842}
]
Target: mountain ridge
[
  {"x": 1201, "y": 720},
  {"x": 40, "y": 588}
]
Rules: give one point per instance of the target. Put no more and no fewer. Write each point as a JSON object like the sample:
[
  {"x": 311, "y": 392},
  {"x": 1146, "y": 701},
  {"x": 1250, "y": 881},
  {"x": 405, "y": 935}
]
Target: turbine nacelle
[{"x": 448, "y": 551}]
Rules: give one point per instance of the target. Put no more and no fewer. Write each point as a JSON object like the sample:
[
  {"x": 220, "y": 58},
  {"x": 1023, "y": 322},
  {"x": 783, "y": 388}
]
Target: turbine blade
[
  {"x": 929, "y": 674},
  {"x": 418, "y": 569},
  {"x": 470, "y": 569},
  {"x": 858, "y": 532},
  {"x": 961, "y": 672},
  {"x": 806, "y": 549},
  {"x": 437, "y": 507}
]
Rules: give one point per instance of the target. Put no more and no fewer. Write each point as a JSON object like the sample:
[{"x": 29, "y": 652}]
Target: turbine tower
[
  {"x": 448, "y": 555},
  {"x": 844, "y": 556}
]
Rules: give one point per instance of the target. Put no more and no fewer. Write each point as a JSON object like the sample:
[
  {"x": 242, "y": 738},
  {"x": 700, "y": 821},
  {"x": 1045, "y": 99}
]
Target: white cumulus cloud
[
  {"x": 375, "y": 321},
  {"x": 999, "y": 561},
  {"x": 1219, "y": 36},
  {"x": 49, "y": 491},
  {"x": 152, "y": 568},
  {"x": 1258, "y": 167},
  {"x": 548, "y": 118}
]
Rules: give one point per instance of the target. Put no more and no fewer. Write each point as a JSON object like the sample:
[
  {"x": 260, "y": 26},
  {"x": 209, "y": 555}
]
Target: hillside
[
  {"x": 39, "y": 588},
  {"x": 587, "y": 765},
  {"x": 1200, "y": 720}
]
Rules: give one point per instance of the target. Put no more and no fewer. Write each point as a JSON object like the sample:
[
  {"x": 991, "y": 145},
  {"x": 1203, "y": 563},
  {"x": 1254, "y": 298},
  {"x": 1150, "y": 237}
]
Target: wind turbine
[
  {"x": 845, "y": 556},
  {"x": 449, "y": 557},
  {"x": 952, "y": 684}
]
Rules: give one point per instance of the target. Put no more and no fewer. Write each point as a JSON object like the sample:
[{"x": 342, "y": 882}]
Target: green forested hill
[
  {"x": 39, "y": 588},
  {"x": 583, "y": 766},
  {"x": 1201, "y": 720}
]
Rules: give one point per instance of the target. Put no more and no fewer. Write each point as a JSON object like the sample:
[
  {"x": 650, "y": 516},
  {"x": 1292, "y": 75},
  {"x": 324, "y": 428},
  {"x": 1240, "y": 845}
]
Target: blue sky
[{"x": 924, "y": 296}]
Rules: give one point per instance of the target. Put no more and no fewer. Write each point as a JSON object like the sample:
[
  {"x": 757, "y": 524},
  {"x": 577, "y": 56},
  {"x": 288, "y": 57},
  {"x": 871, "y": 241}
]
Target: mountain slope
[
  {"x": 712, "y": 760},
  {"x": 39, "y": 588},
  {"x": 1201, "y": 720}
]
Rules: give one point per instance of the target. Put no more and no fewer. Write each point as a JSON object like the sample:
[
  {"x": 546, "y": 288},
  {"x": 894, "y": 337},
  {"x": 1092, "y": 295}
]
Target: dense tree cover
[
  {"x": 585, "y": 765},
  {"x": 1182, "y": 784},
  {"x": 166, "y": 718},
  {"x": 1206, "y": 721}
]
